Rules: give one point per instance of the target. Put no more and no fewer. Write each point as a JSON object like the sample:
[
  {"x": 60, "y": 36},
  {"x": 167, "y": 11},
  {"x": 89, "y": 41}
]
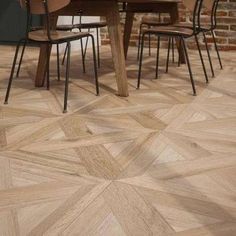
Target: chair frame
[
  {"x": 196, "y": 31},
  {"x": 58, "y": 52},
  {"x": 49, "y": 43},
  {"x": 81, "y": 44},
  {"x": 212, "y": 27},
  {"x": 81, "y": 26},
  {"x": 149, "y": 25},
  {"x": 204, "y": 30}
]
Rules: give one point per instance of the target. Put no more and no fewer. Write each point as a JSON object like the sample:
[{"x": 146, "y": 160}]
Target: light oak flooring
[{"x": 159, "y": 162}]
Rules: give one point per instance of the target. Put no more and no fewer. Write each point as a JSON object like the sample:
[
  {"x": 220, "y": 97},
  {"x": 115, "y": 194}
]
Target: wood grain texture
[
  {"x": 119, "y": 44},
  {"x": 110, "y": 10},
  {"x": 160, "y": 162}
]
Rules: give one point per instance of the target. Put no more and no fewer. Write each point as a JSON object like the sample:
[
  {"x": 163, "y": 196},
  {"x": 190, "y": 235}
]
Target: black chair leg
[
  {"x": 67, "y": 77},
  {"x": 58, "y": 63},
  {"x": 98, "y": 49},
  {"x": 209, "y": 55},
  {"x": 158, "y": 55},
  {"x": 86, "y": 45},
  {"x": 64, "y": 56},
  {"x": 48, "y": 66},
  {"x": 95, "y": 65},
  {"x": 179, "y": 62},
  {"x": 173, "y": 49},
  {"x": 168, "y": 55},
  {"x": 202, "y": 61},
  {"x": 21, "y": 58},
  {"x": 82, "y": 53},
  {"x": 149, "y": 43},
  {"x": 140, "y": 61},
  {"x": 12, "y": 71},
  {"x": 139, "y": 40},
  {"x": 189, "y": 66},
  {"x": 217, "y": 50}
]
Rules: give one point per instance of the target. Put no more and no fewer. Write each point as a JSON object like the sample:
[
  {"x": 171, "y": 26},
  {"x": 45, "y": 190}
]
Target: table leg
[
  {"x": 41, "y": 69},
  {"x": 117, "y": 48},
  {"x": 127, "y": 31},
  {"x": 174, "y": 15}
]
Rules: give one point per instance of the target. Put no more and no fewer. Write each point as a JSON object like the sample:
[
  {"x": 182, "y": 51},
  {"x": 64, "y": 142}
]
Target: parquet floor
[{"x": 160, "y": 162}]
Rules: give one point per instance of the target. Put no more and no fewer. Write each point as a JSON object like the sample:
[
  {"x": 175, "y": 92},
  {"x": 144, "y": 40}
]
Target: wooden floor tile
[{"x": 159, "y": 162}]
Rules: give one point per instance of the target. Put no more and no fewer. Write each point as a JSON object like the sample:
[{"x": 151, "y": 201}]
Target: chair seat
[
  {"x": 91, "y": 25},
  {"x": 153, "y": 21},
  {"x": 204, "y": 27},
  {"x": 57, "y": 36},
  {"x": 170, "y": 30},
  {"x": 82, "y": 26}
]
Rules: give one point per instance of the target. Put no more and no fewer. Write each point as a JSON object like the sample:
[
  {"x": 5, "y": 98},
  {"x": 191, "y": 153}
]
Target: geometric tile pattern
[{"x": 159, "y": 162}]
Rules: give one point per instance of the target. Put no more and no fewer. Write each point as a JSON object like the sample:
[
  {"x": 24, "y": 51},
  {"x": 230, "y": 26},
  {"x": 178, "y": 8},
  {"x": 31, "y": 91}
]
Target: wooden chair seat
[
  {"x": 91, "y": 25},
  {"x": 153, "y": 21},
  {"x": 69, "y": 27},
  {"x": 204, "y": 27},
  {"x": 170, "y": 30},
  {"x": 85, "y": 26},
  {"x": 56, "y": 36}
]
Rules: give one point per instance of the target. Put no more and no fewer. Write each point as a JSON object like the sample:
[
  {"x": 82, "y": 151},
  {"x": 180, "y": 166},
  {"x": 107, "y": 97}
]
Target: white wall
[{"x": 75, "y": 46}]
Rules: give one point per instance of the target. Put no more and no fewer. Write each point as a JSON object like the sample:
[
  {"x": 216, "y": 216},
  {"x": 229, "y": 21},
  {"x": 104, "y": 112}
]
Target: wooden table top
[
  {"x": 135, "y": 1},
  {"x": 149, "y": 1}
]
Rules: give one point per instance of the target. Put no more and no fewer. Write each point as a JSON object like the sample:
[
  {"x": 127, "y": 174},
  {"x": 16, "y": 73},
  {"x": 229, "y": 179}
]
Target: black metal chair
[
  {"x": 70, "y": 28},
  {"x": 208, "y": 27},
  {"x": 182, "y": 33},
  {"x": 150, "y": 21},
  {"x": 49, "y": 37},
  {"x": 211, "y": 6},
  {"x": 84, "y": 26},
  {"x": 62, "y": 28}
]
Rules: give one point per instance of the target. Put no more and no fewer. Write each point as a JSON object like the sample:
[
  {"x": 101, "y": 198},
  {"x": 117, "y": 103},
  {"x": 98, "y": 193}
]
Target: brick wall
[{"x": 225, "y": 32}]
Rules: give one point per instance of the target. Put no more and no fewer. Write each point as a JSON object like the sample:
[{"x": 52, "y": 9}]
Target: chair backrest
[
  {"x": 211, "y": 6},
  {"x": 194, "y": 6},
  {"x": 38, "y": 6},
  {"x": 42, "y": 7}
]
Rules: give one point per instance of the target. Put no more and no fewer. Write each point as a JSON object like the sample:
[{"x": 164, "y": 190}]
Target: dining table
[{"x": 119, "y": 43}]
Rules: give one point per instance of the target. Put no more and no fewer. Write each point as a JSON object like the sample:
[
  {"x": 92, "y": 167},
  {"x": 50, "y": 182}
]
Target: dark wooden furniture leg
[
  {"x": 174, "y": 14},
  {"x": 42, "y": 63},
  {"x": 110, "y": 10},
  {"x": 127, "y": 31},
  {"x": 117, "y": 47}
]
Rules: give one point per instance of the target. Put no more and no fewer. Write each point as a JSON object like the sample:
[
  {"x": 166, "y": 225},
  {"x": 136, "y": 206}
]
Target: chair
[
  {"x": 49, "y": 37},
  {"x": 66, "y": 28},
  {"x": 211, "y": 6},
  {"x": 182, "y": 33},
  {"x": 71, "y": 27},
  {"x": 153, "y": 22},
  {"x": 81, "y": 26}
]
